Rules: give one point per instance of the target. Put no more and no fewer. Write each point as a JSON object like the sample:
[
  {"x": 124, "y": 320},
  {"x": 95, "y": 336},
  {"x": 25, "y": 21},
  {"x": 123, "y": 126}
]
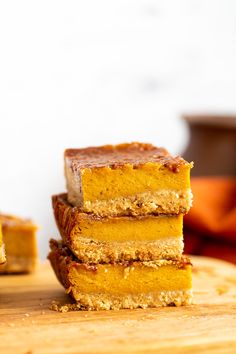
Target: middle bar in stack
[
  {"x": 121, "y": 226},
  {"x": 95, "y": 239}
]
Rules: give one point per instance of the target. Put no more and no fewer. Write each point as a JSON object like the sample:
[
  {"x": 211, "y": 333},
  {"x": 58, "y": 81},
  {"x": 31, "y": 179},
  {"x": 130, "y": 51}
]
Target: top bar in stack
[
  {"x": 127, "y": 179},
  {"x": 2, "y": 249}
]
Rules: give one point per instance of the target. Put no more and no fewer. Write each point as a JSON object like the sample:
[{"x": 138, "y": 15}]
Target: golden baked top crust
[
  {"x": 115, "y": 156},
  {"x": 9, "y": 221}
]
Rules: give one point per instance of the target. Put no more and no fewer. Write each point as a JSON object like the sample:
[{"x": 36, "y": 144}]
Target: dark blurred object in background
[
  {"x": 210, "y": 227},
  {"x": 212, "y": 144}
]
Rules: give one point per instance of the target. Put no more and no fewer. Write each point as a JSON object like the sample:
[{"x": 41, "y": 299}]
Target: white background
[{"x": 78, "y": 73}]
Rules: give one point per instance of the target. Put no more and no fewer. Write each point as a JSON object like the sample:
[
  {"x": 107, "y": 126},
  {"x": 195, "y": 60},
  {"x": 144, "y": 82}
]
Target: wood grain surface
[{"x": 27, "y": 325}]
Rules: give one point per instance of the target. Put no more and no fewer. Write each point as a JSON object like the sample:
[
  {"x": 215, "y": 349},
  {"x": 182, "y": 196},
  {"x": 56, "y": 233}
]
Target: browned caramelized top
[{"x": 115, "y": 156}]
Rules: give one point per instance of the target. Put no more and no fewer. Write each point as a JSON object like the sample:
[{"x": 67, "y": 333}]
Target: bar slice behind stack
[
  {"x": 2, "y": 248},
  {"x": 19, "y": 237}
]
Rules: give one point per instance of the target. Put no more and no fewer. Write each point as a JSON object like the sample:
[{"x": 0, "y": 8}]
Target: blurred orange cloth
[{"x": 210, "y": 226}]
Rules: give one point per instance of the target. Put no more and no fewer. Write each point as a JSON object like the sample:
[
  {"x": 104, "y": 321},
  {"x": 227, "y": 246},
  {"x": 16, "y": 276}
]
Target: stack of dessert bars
[{"x": 121, "y": 224}]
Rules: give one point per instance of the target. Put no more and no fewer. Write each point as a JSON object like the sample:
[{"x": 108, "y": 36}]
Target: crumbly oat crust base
[
  {"x": 159, "y": 202},
  {"x": 97, "y": 302},
  {"x": 90, "y": 251}
]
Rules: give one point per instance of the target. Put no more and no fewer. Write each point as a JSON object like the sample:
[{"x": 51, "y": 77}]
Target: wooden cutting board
[{"x": 209, "y": 326}]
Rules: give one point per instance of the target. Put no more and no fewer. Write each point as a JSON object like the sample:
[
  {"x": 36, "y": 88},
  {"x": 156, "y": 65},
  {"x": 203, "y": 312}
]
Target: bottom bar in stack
[{"x": 124, "y": 285}]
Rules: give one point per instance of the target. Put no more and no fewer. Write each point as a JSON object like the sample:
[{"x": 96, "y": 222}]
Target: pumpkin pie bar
[
  {"x": 2, "y": 248},
  {"x": 122, "y": 285},
  {"x": 95, "y": 239},
  {"x": 19, "y": 236},
  {"x": 127, "y": 179}
]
